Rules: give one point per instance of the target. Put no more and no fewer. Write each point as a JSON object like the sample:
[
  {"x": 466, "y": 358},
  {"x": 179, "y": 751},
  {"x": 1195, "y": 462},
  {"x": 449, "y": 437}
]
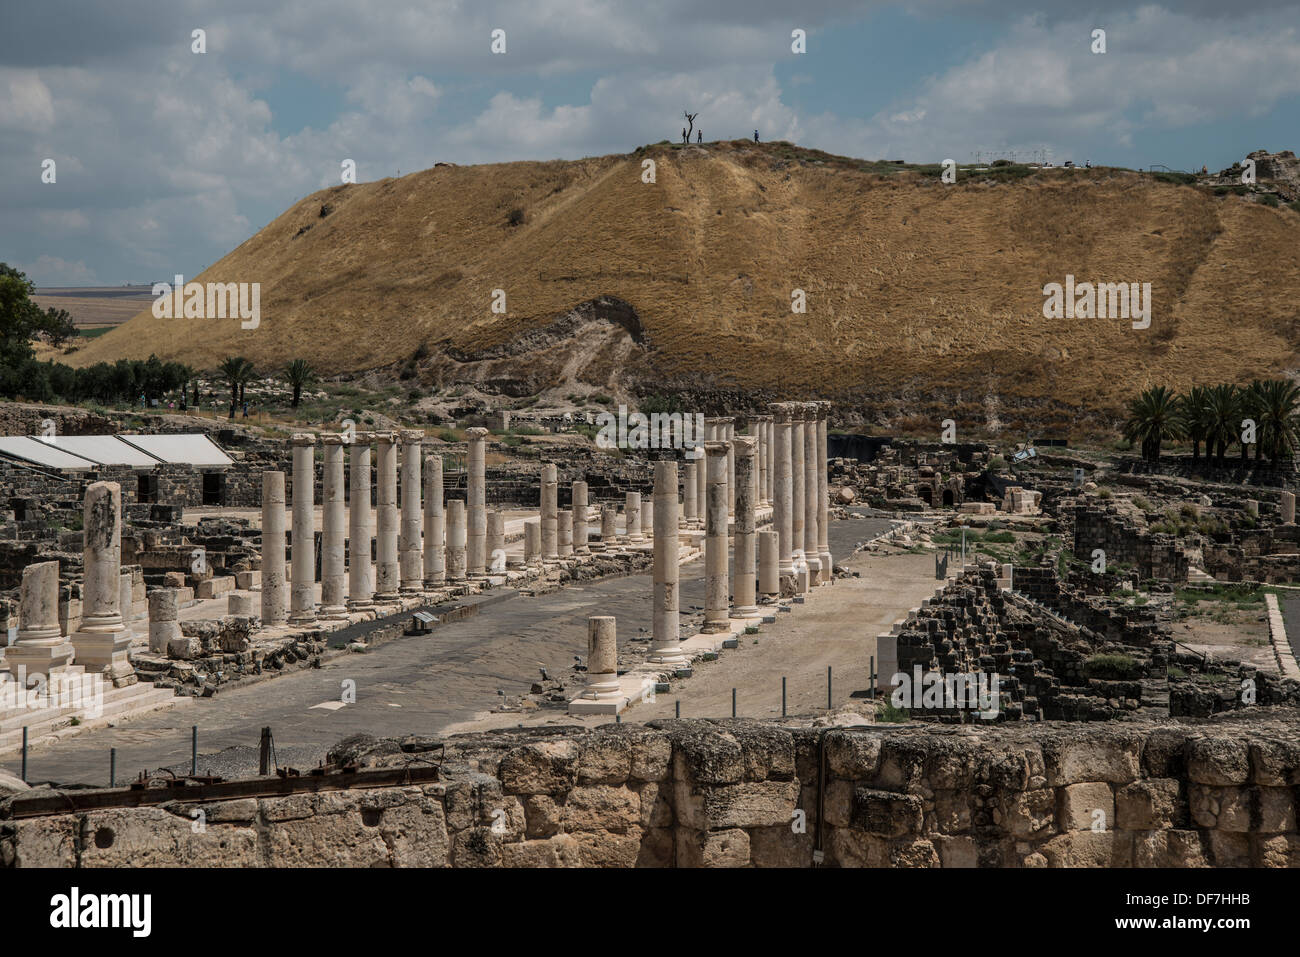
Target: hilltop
[{"x": 921, "y": 297}]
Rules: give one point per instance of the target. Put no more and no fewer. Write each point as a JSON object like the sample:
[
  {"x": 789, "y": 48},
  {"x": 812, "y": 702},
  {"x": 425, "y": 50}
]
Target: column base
[
  {"x": 42, "y": 659},
  {"x": 105, "y": 653},
  {"x": 433, "y": 583},
  {"x": 828, "y": 567},
  {"x": 716, "y": 627},
  {"x": 333, "y": 612},
  {"x": 355, "y": 604},
  {"x": 746, "y": 611}
]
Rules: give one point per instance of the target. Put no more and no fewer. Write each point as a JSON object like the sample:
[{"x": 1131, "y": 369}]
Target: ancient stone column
[
  {"x": 410, "y": 554},
  {"x": 608, "y": 527},
  {"x": 823, "y": 494},
  {"x": 702, "y": 480},
  {"x": 783, "y": 486},
  {"x": 41, "y": 648},
  {"x": 579, "y": 496},
  {"x": 743, "y": 588},
  {"x": 476, "y": 506},
  {"x": 361, "y": 575},
  {"x": 302, "y": 590},
  {"x": 729, "y": 436},
  {"x": 532, "y": 542},
  {"x": 550, "y": 508},
  {"x": 632, "y": 518},
  {"x": 333, "y": 567},
  {"x": 496, "y": 542},
  {"x": 769, "y": 564},
  {"x": 1252, "y": 507},
  {"x": 275, "y": 606},
  {"x": 602, "y": 658},
  {"x": 456, "y": 536},
  {"x": 1288, "y": 508},
  {"x": 812, "y": 507},
  {"x": 648, "y": 519},
  {"x": 564, "y": 532},
  {"x": 715, "y": 540},
  {"x": 665, "y": 646},
  {"x": 164, "y": 618},
  {"x": 102, "y": 641},
  {"x": 435, "y": 525},
  {"x": 760, "y": 427},
  {"x": 387, "y": 566},
  {"x": 126, "y": 597},
  {"x": 771, "y": 460},
  {"x": 688, "y": 499},
  {"x": 798, "y": 475}
]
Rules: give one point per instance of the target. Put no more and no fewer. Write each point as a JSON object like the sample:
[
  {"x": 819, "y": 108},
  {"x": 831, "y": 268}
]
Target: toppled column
[
  {"x": 1288, "y": 508},
  {"x": 477, "y": 556},
  {"x": 823, "y": 494},
  {"x": 496, "y": 542},
  {"x": 715, "y": 540},
  {"x": 333, "y": 568},
  {"x": 275, "y": 607},
  {"x": 410, "y": 555},
  {"x": 302, "y": 590},
  {"x": 564, "y": 532},
  {"x": 41, "y": 648},
  {"x": 387, "y": 566},
  {"x": 744, "y": 588},
  {"x": 602, "y": 666},
  {"x": 688, "y": 499},
  {"x": 456, "y": 536},
  {"x": 550, "y": 508},
  {"x": 632, "y": 518},
  {"x": 608, "y": 528},
  {"x": 361, "y": 574},
  {"x": 435, "y": 525},
  {"x": 769, "y": 565},
  {"x": 164, "y": 618},
  {"x": 532, "y": 542},
  {"x": 812, "y": 507},
  {"x": 102, "y": 641},
  {"x": 798, "y": 475},
  {"x": 665, "y": 640},
  {"x": 783, "y": 487},
  {"x": 580, "y": 518}
]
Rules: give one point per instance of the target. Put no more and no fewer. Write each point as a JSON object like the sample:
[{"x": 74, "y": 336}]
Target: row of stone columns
[{"x": 801, "y": 509}]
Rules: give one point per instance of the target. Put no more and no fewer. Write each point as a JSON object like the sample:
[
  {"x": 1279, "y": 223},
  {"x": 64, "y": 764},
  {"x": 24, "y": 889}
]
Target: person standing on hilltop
[
  {"x": 699, "y": 136},
  {"x": 755, "y": 136}
]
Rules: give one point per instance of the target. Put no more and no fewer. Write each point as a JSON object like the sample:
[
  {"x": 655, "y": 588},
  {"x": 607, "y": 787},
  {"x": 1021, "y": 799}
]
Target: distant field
[{"x": 95, "y": 305}]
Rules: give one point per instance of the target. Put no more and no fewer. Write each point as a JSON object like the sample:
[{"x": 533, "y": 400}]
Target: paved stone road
[{"x": 409, "y": 685}]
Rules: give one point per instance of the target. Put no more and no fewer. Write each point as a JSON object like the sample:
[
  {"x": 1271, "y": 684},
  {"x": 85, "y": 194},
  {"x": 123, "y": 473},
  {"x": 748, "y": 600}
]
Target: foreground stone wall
[{"x": 729, "y": 793}]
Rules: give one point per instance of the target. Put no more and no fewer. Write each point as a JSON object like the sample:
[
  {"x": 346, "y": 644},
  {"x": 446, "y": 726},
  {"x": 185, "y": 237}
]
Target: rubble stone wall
[{"x": 1220, "y": 792}]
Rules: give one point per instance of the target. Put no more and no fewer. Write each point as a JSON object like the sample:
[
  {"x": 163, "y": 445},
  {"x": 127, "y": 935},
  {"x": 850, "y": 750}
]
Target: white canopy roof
[{"x": 84, "y": 452}]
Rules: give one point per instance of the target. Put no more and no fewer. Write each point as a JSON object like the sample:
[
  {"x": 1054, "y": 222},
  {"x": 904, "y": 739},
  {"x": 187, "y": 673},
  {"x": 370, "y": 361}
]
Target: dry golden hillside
[{"x": 916, "y": 291}]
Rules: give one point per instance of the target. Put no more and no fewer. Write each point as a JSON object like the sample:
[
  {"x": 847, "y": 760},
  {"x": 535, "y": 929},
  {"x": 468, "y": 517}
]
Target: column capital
[
  {"x": 716, "y": 448},
  {"x": 476, "y": 432},
  {"x": 303, "y": 438},
  {"x": 797, "y": 411},
  {"x": 411, "y": 435},
  {"x": 332, "y": 438},
  {"x": 780, "y": 412},
  {"x": 385, "y": 436},
  {"x": 746, "y": 446}
]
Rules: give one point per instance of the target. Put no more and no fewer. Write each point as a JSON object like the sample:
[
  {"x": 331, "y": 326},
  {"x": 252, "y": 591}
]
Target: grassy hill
[{"x": 922, "y": 297}]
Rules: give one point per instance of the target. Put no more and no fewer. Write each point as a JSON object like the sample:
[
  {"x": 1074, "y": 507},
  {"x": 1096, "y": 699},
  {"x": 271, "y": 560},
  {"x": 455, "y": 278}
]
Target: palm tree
[
  {"x": 300, "y": 374},
  {"x": 237, "y": 371},
  {"x": 1276, "y": 406},
  {"x": 1152, "y": 419},
  {"x": 1223, "y": 421},
  {"x": 1193, "y": 413}
]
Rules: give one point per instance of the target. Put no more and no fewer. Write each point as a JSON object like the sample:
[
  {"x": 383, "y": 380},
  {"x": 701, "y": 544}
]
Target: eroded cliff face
[{"x": 745, "y": 793}]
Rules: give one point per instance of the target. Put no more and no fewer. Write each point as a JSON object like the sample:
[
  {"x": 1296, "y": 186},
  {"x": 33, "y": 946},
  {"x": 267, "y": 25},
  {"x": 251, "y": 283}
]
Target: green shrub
[
  {"x": 888, "y": 714},
  {"x": 1112, "y": 667}
]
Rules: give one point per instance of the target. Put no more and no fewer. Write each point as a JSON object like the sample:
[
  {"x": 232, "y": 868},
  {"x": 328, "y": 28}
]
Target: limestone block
[
  {"x": 562, "y": 850},
  {"x": 1169, "y": 848},
  {"x": 1218, "y": 761},
  {"x": 914, "y": 854},
  {"x": 1089, "y": 849},
  {"x": 545, "y": 767},
  {"x": 1227, "y": 809},
  {"x": 1276, "y": 810},
  {"x": 748, "y": 804},
  {"x": 658, "y": 848},
  {"x": 952, "y": 811},
  {"x": 956, "y": 851},
  {"x": 886, "y": 813},
  {"x": 604, "y": 759},
  {"x": 1280, "y": 850},
  {"x": 728, "y": 848},
  {"x": 851, "y": 847},
  {"x": 153, "y": 837},
  {"x": 1229, "y": 849},
  {"x": 853, "y": 756},
  {"x": 1275, "y": 763},
  {"x": 1076, "y": 761},
  {"x": 1027, "y": 814},
  {"x": 1149, "y": 804},
  {"x": 1077, "y": 805},
  {"x": 651, "y": 757},
  {"x": 656, "y": 812},
  {"x": 602, "y": 807},
  {"x": 606, "y": 849}
]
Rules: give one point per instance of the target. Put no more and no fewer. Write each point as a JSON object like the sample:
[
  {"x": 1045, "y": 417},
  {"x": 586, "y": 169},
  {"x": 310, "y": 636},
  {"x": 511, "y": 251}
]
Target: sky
[{"x": 165, "y": 158}]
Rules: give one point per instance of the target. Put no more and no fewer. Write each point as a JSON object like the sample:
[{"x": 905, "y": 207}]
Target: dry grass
[{"x": 915, "y": 289}]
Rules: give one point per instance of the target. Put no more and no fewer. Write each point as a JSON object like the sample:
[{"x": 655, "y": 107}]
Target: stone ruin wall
[
  {"x": 725, "y": 794},
  {"x": 1155, "y": 555}
]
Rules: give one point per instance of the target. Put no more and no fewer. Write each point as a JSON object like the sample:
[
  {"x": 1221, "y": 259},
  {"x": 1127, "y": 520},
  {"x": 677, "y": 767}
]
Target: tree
[
  {"x": 237, "y": 371},
  {"x": 1275, "y": 405},
  {"x": 300, "y": 374},
  {"x": 1152, "y": 419},
  {"x": 21, "y": 320},
  {"x": 690, "y": 123},
  {"x": 1223, "y": 420},
  {"x": 1193, "y": 414}
]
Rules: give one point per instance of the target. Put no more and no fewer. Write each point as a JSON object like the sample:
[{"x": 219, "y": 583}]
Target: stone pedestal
[
  {"x": 744, "y": 587},
  {"x": 302, "y": 590},
  {"x": 496, "y": 542},
  {"x": 435, "y": 527},
  {"x": 665, "y": 646},
  {"x": 550, "y": 526},
  {"x": 275, "y": 604},
  {"x": 564, "y": 532},
  {"x": 580, "y": 531},
  {"x": 783, "y": 486},
  {"x": 164, "y": 618},
  {"x": 41, "y": 648},
  {"x": 333, "y": 543},
  {"x": 1288, "y": 508},
  {"x": 456, "y": 538},
  {"x": 811, "y": 484},
  {"x": 101, "y": 642},
  {"x": 387, "y": 564},
  {"x": 477, "y": 555},
  {"x": 410, "y": 555},
  {"x": 632, "y": 518},
  {"x": 715, "y": 540},
  {"x": 361, "y": 575},
  {"x": 608, "y": 528},
  {"x": 532, "y": 543},
  {"x": 769, "y": 565}
]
